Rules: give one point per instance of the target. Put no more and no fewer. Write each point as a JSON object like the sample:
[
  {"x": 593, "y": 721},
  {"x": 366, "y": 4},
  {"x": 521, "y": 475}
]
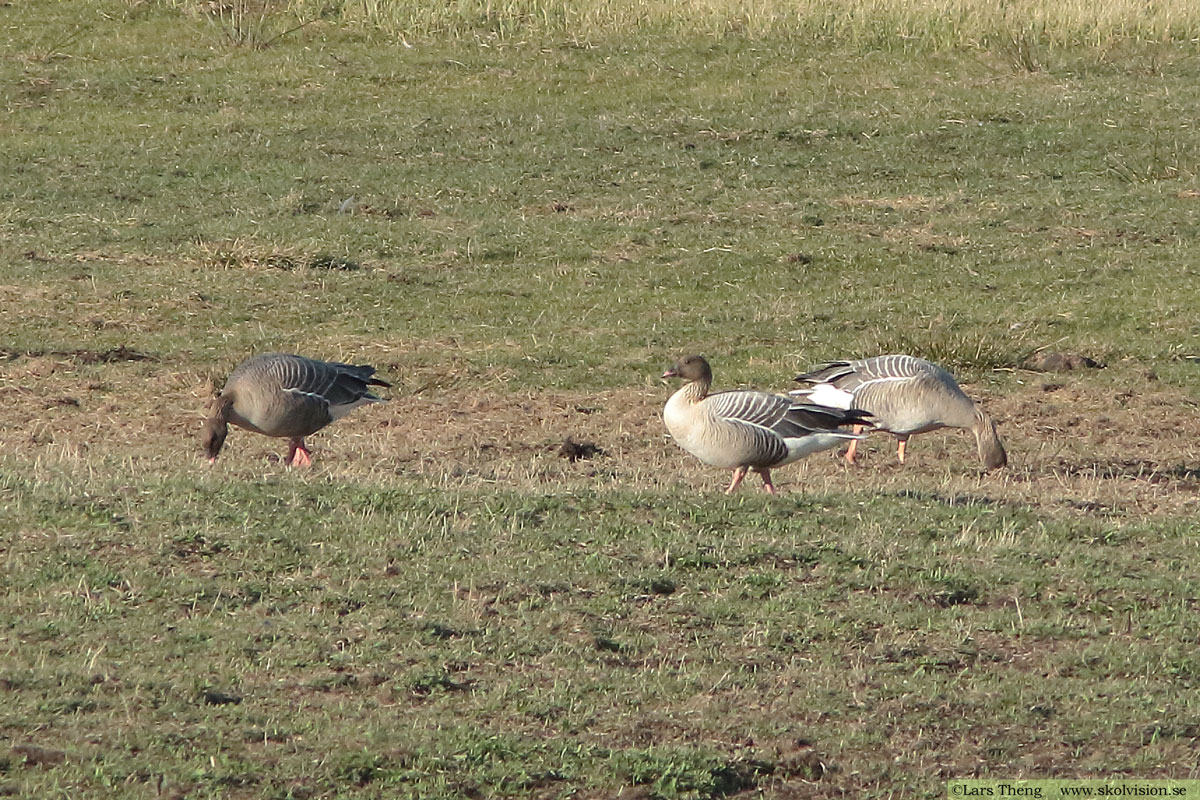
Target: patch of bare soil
[{"x": 1074, "y": 448}]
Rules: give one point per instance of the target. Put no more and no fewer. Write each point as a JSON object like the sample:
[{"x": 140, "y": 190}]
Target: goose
[
  {"x": 746, "y": 430},
  {"x": 905, "y": 395},
  {"x": 290, "y": 396}
]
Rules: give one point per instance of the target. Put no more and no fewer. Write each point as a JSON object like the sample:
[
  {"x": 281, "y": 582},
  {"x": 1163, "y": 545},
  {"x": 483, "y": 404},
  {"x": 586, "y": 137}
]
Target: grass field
[{"x": 521, "y": 233}]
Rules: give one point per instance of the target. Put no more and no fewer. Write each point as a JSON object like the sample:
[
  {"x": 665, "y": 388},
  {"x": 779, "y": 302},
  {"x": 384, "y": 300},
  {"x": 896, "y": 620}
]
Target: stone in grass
[
  {"x": 333, "y": 262},
  {"x": 954, "y": 592},
  {"x": 215, "y": 697},
  {"x": 579, "y": 451},
  {"x": 607, "y": 644},
  {"x": 662, "y": 585}
]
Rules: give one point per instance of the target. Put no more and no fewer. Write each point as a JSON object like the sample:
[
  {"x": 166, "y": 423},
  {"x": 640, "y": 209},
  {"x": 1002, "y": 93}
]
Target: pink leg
[
  {"x": 738, "y": 474},
  {"x": 902, "y": 440},
  {"x": 766, "y": 476},
  {"x": 298, "y": 455},
  {"x": 853, "y": 448}
]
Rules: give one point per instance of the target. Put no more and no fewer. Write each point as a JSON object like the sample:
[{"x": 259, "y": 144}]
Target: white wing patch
[
  {"x": 826, "y": 394},
  {"x": 313, "y": 395},
  {"x": 339, "y": 411},
  {"x": 816, "y": 443}
]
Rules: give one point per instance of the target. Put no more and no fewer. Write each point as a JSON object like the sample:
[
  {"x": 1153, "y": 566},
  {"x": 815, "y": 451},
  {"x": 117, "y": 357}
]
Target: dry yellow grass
[{"x": 871, "y": 22}]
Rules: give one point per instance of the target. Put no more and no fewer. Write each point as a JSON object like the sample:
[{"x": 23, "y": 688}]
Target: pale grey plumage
[
  {"x": 279, "y": 394},
  {"x": 745, "y": 430},
  {"x": 905, "y": 395}
]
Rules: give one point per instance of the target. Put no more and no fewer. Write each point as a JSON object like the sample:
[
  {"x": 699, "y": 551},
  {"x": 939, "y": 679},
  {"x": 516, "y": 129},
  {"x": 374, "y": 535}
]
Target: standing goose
[
  {"x": 289, "y": 396},
  {"x": 904, "y": 395},
  {"x": 742, "y": 430}
]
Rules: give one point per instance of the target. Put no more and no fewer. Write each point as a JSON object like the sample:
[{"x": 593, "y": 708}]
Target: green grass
[
  {"x": 521, "y": 231},
  {"x": 390, "y": 638},
  {"x": 675, "y": 179},
  {"x": 385, "y": 637}
]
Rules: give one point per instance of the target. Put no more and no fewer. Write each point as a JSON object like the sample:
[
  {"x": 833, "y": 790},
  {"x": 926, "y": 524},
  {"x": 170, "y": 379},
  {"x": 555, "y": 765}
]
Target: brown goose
[
  {"x": 289, "y": 396},
  {"x": 742, "y": 430},
  {"x": 905, "y": 395}
]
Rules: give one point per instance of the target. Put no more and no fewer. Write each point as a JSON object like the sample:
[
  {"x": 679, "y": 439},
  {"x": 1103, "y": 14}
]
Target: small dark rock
[
  {"x": 610, "y": 645},
  {"x": 944, "y": 249},
  {"x": 333, "y": 262},
  {"x": 216, "y": 698},
  {"x": 439, "y": 631},
  {"x": 661, "y": 585},
  {"x": 576, "y": 451},
  {"x": 955, "y": 594}
]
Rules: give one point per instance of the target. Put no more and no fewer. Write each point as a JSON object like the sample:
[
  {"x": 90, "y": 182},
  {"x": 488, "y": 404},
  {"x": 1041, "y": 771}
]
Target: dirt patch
[
  {"x": 1078, "y": 450},
  {"x": 579, "y": 451}
]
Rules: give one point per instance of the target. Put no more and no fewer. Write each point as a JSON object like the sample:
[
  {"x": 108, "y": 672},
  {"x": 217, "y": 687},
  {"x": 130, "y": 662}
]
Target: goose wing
[
  {"x": 331, "y": 384},
  {"x": 854, "y": 376},
  {"x": 751, "y": 419},
  {"x": 773, "y": 425}
]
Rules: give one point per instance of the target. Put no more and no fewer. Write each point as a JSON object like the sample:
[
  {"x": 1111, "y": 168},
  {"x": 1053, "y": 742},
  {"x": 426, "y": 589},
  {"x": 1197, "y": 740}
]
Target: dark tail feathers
[
  {"x": 824, "y": 418},
  {"x": 825, "y": 373}
]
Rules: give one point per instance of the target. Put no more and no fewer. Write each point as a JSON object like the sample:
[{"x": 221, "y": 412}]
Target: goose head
[
  {"x": 216, "y": 427},
  {"x": 690, "y": 368}
]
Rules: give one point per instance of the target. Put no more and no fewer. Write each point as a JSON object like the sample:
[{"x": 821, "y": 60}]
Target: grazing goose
[
  {"x": 904, "y": 395},
  {"x": 744, "y": 431},
  {"x": 290, "y": 396}
]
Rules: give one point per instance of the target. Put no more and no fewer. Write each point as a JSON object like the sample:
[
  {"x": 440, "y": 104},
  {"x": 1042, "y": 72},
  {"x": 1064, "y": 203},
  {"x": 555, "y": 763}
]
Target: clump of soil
[{"x": 579, "y": 451}]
